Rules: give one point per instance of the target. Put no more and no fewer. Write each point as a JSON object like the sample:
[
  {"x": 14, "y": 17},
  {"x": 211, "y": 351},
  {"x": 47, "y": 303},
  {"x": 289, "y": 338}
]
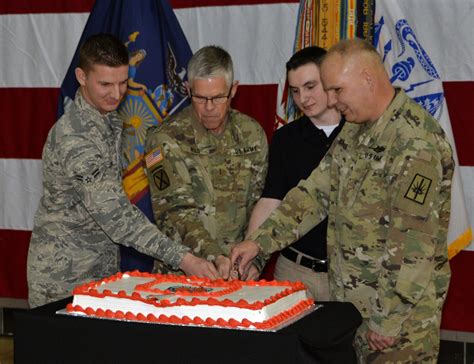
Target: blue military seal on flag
[{"x": 409, "y": 65}]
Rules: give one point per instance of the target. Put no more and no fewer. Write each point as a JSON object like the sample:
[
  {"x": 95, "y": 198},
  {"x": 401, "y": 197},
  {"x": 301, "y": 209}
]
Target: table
[{"x": 42, "y": 336}]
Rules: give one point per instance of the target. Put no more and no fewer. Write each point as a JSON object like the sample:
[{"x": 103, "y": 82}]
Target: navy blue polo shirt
[{"x": 295, "y": 151}]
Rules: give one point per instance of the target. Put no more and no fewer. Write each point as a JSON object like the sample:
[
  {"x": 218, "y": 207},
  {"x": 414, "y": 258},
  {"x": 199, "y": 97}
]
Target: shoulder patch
[
  {"x": 161, "y": 179},
  {"x": 90, "y": 178},
  {"x": 154, "y": 157},
  {"x": 418, "y": 189}
]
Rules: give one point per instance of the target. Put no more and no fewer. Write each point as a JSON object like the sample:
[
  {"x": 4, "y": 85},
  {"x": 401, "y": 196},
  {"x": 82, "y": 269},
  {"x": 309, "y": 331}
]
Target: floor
[
  {"x": 6, "y": 349},
  {"x": 455, "y": 352},
  {"x": 6, "y": 334}
]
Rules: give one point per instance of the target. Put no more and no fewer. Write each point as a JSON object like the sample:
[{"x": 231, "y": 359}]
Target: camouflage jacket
[
  {"x": 84, "y": 212},
  {"x": 385, "y": 187},
  {"x": 204, "y": 187}
]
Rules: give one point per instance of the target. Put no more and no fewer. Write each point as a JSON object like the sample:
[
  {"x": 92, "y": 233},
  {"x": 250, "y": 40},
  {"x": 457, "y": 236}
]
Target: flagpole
[{"x": 178, "y": 105}]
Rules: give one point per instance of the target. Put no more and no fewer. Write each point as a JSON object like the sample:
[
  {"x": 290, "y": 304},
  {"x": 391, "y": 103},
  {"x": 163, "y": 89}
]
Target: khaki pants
[{"x": 316, "y": 282}]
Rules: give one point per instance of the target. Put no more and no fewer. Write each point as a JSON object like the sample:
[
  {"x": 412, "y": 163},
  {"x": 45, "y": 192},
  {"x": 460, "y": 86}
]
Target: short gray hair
[
  {"x": 356, "y": 47},
  {"x": 211, "y": 61}
]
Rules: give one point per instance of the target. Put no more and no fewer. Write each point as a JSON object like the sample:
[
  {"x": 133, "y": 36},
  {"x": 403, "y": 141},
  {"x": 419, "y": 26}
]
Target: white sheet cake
[{"x": 189, "y": 300}]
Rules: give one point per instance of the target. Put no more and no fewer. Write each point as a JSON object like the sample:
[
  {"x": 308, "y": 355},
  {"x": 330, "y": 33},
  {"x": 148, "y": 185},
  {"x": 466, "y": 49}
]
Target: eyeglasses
[{"x": 216, "y": 100}]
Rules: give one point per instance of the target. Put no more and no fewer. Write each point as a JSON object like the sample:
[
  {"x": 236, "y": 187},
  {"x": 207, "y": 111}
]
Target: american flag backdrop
[{"x": 39, "y": 37}]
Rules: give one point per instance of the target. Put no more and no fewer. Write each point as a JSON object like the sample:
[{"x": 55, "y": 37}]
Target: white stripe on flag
[
  {"x": 258, "y": 37},
  {"x": 37, "y": 48},
  {"x": 19, "y": 193}
]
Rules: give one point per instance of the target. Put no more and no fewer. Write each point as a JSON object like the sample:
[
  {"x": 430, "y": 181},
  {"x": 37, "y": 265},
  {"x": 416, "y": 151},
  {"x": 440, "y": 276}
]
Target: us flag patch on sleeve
[{"x": 154, "y": 157}]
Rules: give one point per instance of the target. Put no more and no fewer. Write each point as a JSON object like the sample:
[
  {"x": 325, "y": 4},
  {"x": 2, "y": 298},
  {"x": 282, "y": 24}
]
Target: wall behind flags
[{"x": 38, "y": 39}]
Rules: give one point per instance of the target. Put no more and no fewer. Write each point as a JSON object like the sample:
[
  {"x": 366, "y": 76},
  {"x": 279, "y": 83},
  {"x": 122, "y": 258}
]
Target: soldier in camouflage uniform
[
  {"x": 84, "y": 212},
  {"x": 385, "y": 187},
  {"x": 207, "y": 165}
]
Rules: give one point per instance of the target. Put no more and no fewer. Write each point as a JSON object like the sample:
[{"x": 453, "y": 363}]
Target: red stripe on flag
[
  {"x": 256, "y": 101},
  {"x": 28, "y": 114},
  {"x": 457, "y": 310},
  {"x": 176, "y": 4},
  {"x": 85, "y": 6},
  {"x": 14, "y": 251},
  {"x": 460, "y": 96},
  {"x": 45, "y": 6}
]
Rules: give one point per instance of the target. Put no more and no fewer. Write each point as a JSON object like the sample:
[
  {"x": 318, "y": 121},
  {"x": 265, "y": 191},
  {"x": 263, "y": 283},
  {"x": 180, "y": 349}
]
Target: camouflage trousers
[{"x": 417, "y": 343}]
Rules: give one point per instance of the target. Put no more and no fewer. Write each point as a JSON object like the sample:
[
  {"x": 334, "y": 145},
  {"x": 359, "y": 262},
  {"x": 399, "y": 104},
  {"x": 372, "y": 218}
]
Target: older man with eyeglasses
[{"x": 207, "y": 165}]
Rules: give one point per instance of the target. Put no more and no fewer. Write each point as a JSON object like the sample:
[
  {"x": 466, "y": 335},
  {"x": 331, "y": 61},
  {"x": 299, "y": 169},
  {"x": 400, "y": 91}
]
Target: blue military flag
[{"x": 158, "y": 56}]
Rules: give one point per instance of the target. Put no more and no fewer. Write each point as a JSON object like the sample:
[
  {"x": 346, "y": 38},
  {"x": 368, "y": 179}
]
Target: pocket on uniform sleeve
[{"x": 416, "y": 266}]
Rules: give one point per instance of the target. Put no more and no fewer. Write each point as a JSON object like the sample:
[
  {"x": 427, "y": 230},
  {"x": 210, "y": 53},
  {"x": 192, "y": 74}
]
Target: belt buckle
[
  {"x": 315, "y": 262},
  {"x": 320, "y": 261}
]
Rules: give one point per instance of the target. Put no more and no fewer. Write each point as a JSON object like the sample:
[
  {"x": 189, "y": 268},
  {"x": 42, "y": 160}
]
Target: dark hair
[
  {"x": 105, "y": 49},
  {"x": 304, "y": 56}
]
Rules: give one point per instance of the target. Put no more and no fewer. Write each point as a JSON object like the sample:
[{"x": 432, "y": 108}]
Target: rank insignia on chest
[
  {"x": 161, "y": 179},
  {"x": 418, "y": 189},
  {"x": 154, "y": 157}
]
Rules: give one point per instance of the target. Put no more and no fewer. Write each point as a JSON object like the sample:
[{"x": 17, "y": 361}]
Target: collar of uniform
[
  {"x": 111, "y": 118},
  {"x": 206, "y": 140},
  {"x": 371, "y": 132}
]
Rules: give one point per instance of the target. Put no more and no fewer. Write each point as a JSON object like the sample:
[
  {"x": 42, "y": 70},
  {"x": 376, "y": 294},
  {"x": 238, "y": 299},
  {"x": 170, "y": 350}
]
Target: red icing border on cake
[
  {"x": 200, "y": 282},
  {"x": 185, "y": 320},
  {"x": 90, "y": 289}
]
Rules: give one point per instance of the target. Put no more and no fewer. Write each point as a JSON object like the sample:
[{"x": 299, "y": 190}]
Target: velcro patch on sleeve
[
  {"x": 419, "y": 187},
  {"x": 89, "y": 175},
  {"x": 154, "y": 157},
  {"x": 161, "y": 179}
]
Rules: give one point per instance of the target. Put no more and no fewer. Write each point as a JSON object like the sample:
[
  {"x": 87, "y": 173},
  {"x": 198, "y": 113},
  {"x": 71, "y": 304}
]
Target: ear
[
  {"x": 235, "y": 85},
  {"x": 80, "y": 76},
  {"x": 368, "y": 78},
  {"x": 188, "y": 87}
]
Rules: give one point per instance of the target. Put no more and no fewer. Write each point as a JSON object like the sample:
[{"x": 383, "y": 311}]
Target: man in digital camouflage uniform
[
  {"x": 207, "y": 165},
  {"x": 385, "y": 187},
  {"x": 84, "y": 213}
]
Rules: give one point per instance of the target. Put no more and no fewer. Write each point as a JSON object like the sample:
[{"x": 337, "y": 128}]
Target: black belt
[{"x": 317, "y": 265}]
